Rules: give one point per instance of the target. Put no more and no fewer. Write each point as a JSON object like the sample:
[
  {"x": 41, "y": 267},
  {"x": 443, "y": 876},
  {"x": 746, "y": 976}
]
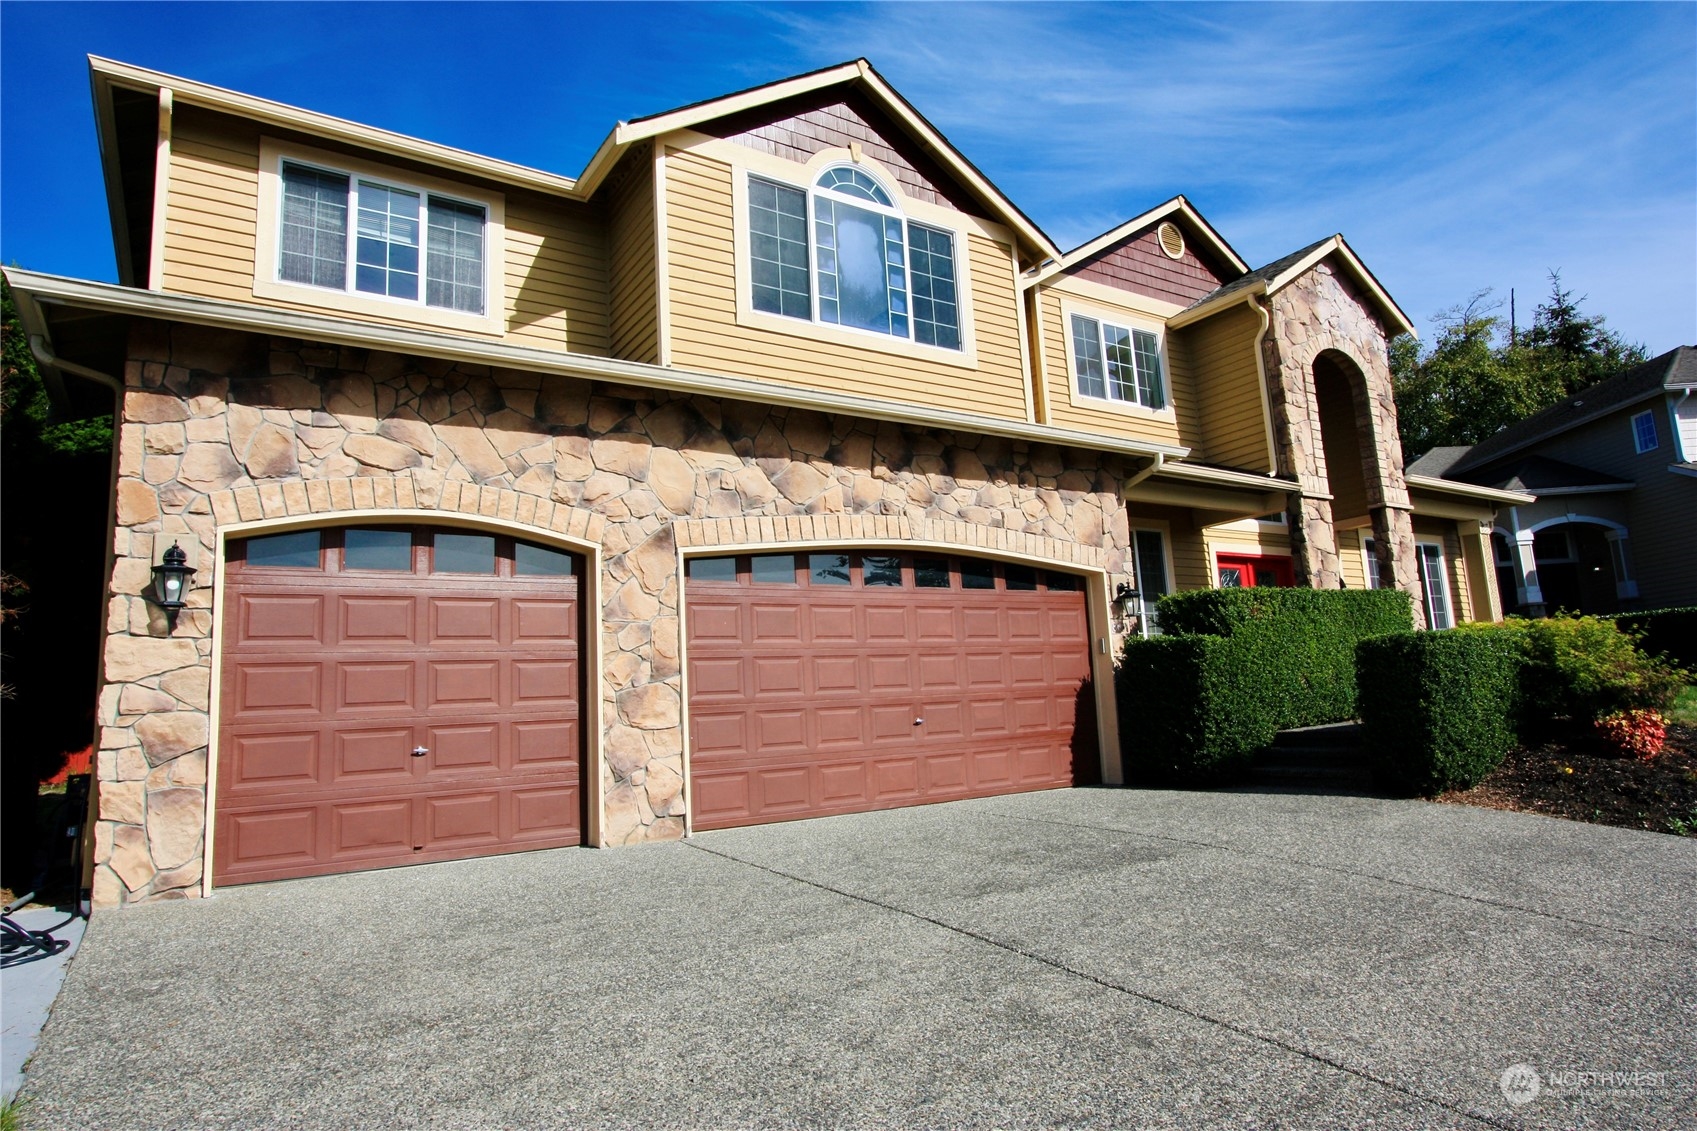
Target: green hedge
[
  {"x": 1311, "y": 635},
  {"x": 1666, "y": 632},
  {"x": 1237, "y": 667},
  {"x": 1438, "y": 708}
]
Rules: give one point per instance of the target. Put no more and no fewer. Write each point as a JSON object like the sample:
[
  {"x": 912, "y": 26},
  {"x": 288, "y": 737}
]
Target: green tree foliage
[
  {"x": 1476, "y": 380},
  {"x": 24, "y": 409}
]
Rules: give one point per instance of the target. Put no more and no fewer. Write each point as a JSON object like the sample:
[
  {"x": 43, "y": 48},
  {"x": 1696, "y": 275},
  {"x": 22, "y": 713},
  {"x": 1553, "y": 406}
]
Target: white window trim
[
  {"x": 801, "y": 178},
  {"x": 1369, "y": 560},
  {"x": 1682, "y": 421},
  {"x": 1443, "y": 579},
  {"x": 1164, "y": 529},
  {"x": 1129, "y": 320},
  {"x": 267, "y": 261},
  {"x": 1655, "y": 433}
]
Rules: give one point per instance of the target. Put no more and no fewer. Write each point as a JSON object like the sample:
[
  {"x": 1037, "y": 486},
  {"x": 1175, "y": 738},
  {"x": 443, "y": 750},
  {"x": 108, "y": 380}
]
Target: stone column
[{"x": 1399, "y": 566}]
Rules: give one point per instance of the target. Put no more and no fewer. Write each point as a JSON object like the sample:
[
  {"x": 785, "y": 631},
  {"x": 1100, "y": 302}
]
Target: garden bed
[{"x": 1583, "y": 781}]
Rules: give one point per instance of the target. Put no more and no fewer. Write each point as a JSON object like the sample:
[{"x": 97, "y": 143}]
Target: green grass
[
  {"x": 1684, "y": 709},
  {"x": 11, "y": 1113}
]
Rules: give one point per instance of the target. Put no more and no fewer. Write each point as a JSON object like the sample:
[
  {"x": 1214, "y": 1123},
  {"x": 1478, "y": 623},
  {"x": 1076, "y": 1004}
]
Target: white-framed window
[
  {"x": 1117, "y": 362},
  {"x": 359, "y": 234},
  {"x": 341, "y": 232},
  {"x": 1434, "y": 585},
  {"x": 843, "y": 253},
  {"x": 1149, "y": 563},
  {"x": 1684, "y": 413},
  {"x": 1644, "y": 437},
  {"x": 1370, "y": 554}
]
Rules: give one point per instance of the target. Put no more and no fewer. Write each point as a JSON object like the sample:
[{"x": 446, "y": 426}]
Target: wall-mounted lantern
[
  {"x": 171, "y": 584},
  {"x": 1126, "y": 605}
]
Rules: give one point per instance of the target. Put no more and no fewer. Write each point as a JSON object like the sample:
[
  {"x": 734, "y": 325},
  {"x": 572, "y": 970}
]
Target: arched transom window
[{"x": 843, "y": 253}]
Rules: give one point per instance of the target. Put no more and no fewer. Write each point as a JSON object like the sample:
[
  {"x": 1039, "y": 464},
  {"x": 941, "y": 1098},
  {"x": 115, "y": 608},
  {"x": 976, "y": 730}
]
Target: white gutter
[
  {"x": 316, "y": 327},
  {"x": 1451, "y": 487}
]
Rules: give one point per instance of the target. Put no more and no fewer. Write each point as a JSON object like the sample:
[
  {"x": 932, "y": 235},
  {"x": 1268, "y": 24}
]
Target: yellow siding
[
  {"x": 1065, "y": 413},
  {"x": 1189, "y": 550},
  {"x": 1221, "y": 354},
  {"x": 556, "y": 258},
  {"x": 701, "y": 282},
  {"x": 1352, "y": 562},
  {"x": 635, "y": 293}
]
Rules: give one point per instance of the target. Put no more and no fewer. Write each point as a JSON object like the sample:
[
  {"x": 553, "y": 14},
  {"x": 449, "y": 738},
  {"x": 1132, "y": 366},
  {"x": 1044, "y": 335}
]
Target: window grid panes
[
  {"x": 778, "y": 249},
  {"x": 931, "y": 268},
  {"x": 1117, "y": 363},
  {"x": 872, "y": 271},
  {"x": 1644, "y": 432},
  {"x": 1435, "y": 586},
  {"x": 315, "y": 227},
  {"x": 387, "y": 248},
  {"x": 454, "y": 266}
]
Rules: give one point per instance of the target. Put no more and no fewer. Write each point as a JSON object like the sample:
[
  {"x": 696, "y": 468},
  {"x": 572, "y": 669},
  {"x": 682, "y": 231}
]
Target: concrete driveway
[{"x": 1085, "y": 958}]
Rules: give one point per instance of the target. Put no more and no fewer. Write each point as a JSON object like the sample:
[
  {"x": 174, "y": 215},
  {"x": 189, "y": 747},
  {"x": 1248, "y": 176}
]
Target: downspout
[
  {"x": 44, "y": 355},
  {"x": 1266, "y": 318},
  {"x": 1154, "y": 467}
]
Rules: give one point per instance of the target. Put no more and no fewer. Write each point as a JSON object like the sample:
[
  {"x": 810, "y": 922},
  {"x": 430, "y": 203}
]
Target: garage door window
[
  {"x": 285, "y": 551},
  {"x": 772, "y": 569},
  {"x": 377, "y": 549}
]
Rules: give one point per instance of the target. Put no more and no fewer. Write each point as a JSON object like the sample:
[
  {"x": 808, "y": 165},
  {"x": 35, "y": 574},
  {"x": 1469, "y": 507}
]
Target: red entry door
[{"x": 1240, "y": 571}]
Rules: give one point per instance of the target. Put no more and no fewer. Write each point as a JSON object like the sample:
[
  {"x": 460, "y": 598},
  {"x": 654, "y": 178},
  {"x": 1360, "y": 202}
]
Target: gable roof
[
  {"x": 857, "y": 73},
  {"x": 1281, "y": 272},
  {"x": 1091, "y": 248},
  {"x": 1675, "y": 369}
]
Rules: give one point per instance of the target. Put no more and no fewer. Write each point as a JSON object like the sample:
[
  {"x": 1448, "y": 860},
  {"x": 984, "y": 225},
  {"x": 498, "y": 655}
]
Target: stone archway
[{"x": 1329, "y": 386}]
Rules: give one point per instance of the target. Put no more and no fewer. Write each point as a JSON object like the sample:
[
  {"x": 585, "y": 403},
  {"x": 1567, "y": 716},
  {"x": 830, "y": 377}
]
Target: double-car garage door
[
  {"x": 834, "y": 683},
  {"x": 396, "y": 695}
]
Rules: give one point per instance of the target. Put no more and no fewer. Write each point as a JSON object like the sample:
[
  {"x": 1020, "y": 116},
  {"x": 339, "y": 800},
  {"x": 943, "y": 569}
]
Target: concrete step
[
  {"x": 1322, "y": 757},
  {"x": 1329, "y": 734}
]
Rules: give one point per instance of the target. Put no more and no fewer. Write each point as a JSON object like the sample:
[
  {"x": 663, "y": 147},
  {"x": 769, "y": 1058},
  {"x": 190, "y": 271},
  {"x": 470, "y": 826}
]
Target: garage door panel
[
  {"x": 907, "y": 693},
  {"x": 376, "y": 620},
  {"x": 275, "y": 689},
  {"x": 317, "y": 771},
  {"x": 365, "y": 755},
  {"x": 281, "y": 618},
  {"x": 712, "y": 620},
  {"x": 368, "y": 685},
  {"x": 274, "y": 759},
  {"x": 775, "y": 624},
  {"x": 460, "y": 684}
]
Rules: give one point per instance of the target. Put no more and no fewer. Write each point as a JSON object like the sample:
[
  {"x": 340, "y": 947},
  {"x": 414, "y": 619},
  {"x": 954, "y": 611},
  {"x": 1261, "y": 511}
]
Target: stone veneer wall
[
  {"x": 220, "y": 427},
  {"x": 1316, "y": 313}
]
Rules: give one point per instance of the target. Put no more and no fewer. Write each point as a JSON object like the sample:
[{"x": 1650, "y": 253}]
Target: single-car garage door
[
  {"x": 395, "y": 695},
  {"x": 837, "y": 683}
]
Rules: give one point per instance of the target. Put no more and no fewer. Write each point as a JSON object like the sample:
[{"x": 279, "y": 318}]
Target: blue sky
[{"x": 1456, "y": 146}]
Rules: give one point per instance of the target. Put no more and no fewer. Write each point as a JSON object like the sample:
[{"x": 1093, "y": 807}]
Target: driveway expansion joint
[
  {"x": 1114, "y": 987},
  {"x": 1682, "y": 944}
]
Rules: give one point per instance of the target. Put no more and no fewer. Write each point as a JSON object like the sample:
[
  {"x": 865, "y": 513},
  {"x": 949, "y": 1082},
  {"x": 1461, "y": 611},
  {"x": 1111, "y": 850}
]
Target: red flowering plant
[{"x": 1635, "y": 733}]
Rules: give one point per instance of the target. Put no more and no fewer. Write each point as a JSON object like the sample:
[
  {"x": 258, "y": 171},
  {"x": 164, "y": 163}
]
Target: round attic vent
[{"x": 1172, "y": 240}]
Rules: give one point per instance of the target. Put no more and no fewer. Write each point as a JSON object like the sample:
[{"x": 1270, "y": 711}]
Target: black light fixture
[
  {"x": 1127, "y": 603},
  {"x": 171, "y": 584}
]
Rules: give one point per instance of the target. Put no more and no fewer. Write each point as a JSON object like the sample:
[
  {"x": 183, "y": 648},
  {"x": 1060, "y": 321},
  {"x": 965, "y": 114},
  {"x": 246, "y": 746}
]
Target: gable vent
[{"x": 1172, "y": 240}]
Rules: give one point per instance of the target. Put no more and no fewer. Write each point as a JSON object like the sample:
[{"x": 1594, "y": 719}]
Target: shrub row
[
  {"x": 1665, "y": 632},
  {"x": 1438, "y": 708},
  {"x": 1236, "y": 667}
]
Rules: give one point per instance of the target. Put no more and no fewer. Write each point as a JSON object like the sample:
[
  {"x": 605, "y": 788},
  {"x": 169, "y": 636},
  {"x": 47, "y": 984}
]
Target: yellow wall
[
  {"x": 1221, "y": 354},
  {"x": 556, "y": 280},
  {"x": 1178, "y": 427},
  {"x": 705, "y": 334},
  {"x": 635, "y": 300}
]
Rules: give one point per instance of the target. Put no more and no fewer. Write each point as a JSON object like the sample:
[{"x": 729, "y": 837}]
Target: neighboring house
[
  {"x": 777, "y": 465},
  {"x": 1614, "y": 470}
]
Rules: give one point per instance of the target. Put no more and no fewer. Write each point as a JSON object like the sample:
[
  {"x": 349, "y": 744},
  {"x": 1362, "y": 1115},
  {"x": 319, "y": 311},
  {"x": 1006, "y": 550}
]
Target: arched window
[{"x": 845, "y": 254}]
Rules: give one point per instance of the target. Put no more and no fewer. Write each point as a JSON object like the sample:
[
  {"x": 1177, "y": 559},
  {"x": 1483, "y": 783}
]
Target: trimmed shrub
[
  {"x": 1310, "y": 637},
  {"x": 1671, "y": 633},
  {"x": 1584, "y": 668},
  {"x": 1193, "y": 709},
  {"x": 1438, "y": 708},
  {"x": 1238, "y": 666}
]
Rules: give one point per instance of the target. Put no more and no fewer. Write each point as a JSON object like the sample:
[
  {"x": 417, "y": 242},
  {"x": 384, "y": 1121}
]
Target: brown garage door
[
  {"x": 392, "y": 696},
  {"x": 838, "y": 683}
]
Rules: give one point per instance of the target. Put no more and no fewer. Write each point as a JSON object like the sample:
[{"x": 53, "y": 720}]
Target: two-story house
[
  {"x": 1614, "y": 470},
  {"x": 777, "y": 465}
]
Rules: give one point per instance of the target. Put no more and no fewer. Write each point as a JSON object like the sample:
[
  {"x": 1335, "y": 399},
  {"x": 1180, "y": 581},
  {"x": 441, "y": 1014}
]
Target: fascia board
[
  {"x": 328, "y": 126},
  {"x": 1399, "y": 320},
  {"x": 106, "y": 134},
  {"x": 1470, "y": 490},
  {"x": 1214, "y": 306},
  {"x": 1220, "y": 475},
  {"x": 339, "y": 331}
]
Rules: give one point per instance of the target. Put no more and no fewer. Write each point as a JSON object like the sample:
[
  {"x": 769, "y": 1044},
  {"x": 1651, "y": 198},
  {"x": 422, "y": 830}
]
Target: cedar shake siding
[
  {"x": 798, "y": 128},
  {"x": 1139, "y": 265}
]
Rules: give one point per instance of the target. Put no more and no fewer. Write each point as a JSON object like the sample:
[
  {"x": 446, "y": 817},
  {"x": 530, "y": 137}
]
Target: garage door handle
[
  {"x": 918, "y": 722},
  {"x": 420, "y": 751}
]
